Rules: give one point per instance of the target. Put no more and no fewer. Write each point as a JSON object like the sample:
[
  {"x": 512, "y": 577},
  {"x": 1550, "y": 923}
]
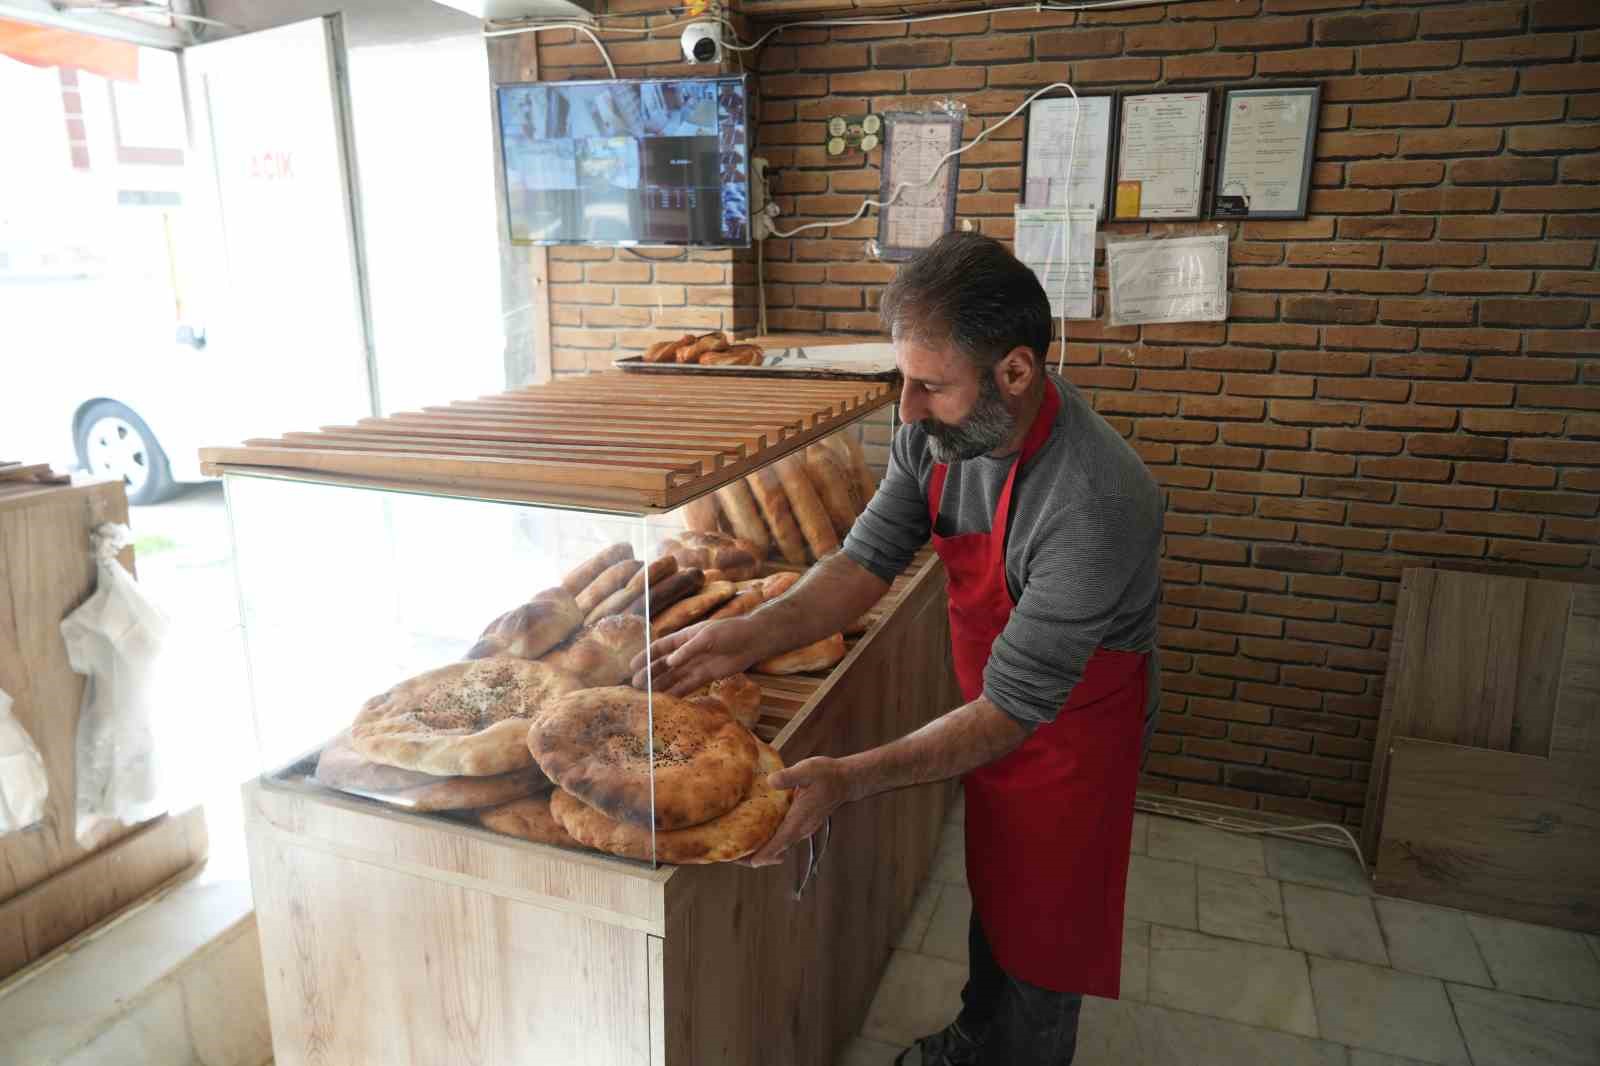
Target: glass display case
[{"x": 468, "y": 654}]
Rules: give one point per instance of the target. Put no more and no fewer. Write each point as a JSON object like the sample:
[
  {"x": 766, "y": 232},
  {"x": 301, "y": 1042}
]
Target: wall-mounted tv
[{"x": 653, "y": 161}]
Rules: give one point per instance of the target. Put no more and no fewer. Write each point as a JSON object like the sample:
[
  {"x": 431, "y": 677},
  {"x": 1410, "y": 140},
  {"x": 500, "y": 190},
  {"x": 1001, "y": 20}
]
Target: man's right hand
[{"x": 701, "y": 654}]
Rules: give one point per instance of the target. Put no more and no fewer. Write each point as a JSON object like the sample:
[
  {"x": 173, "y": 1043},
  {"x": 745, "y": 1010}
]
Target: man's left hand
[{"x": 822, "y": 786}]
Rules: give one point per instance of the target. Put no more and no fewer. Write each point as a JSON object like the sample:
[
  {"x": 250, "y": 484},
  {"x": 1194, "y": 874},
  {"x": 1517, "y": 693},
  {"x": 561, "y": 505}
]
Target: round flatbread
[
  {"x": 530, "y": 819},
  {"x": 733, "y": 836},
  {"x": 597, "y": 745},
  {"x": 739, "y": 695},
  {"x": 532, "y": 629},
  {"x": 466, "y": 718},
  {"x": 599, "y": 655},
  {"x": 341, "y": 767}
]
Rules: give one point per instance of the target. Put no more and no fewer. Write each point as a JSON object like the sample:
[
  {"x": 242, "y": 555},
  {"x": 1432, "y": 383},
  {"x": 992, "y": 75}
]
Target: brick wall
[{"x": 1410, "y": 376}]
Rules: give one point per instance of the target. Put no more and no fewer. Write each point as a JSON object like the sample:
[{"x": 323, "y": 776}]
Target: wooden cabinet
[{"x": 388, "y": 938}]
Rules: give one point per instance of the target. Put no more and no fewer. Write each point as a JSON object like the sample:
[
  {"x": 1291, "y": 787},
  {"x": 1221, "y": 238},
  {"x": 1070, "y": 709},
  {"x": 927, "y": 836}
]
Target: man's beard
[{"x": 987, "y": 427}]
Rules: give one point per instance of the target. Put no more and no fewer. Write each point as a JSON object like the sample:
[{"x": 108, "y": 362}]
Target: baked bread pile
[
  {"x": 466, "y": 736},
  {"x": 707, "y": 349}
]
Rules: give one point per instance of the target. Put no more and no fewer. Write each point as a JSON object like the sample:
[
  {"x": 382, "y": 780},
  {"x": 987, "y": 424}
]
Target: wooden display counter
[{"x": 388, "y": 938}]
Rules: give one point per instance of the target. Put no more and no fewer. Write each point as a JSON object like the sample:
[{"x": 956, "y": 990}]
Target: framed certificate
[
  {"x": 1265, "y": 153},
  {"x": 1161, "y": 156},
  {"x": 914, "y": 143},
  {"x": 1048, "y": 147}
]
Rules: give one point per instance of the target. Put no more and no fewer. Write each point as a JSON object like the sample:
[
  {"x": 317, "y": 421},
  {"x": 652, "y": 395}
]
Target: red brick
[
  {"x": 1366, "y": 29},
  {"x": 1229, "y": 711},
  {"x": 1342, "y": 588},
  {"x": 789, "y": 85},
  {"x": 1161, "y": 39},
  {"x": 1561, "y": 78},
  {"x": 1274, "y": 695},
  {"x": 1264, "y": 33},
  {"x": 1349, "y": 489},
  {"x": 1115, "y": 71},
  {"x": 1307, "y": 560},
  {"x": 1278, "y": 279},
  {"x": 1539, "y": 554},
  {"x": 1355, "y": 89},
  {"x": 1463, "y": 393},
  {"x": 1337, "y": 253},
  {"x": 1307, "y": 510},
  {"x": 1350, "y": 201},
  {"x": 1425, "y": 311},
  {"x": 1450, "y": 142},
  {"x": 1563, "y": 138},
  {"x": 1356, "y": 145},
  {"x": 1393, "y": 173},
  {"x": 1425, "y": 255},
  {"x": 1481, "y": 281},
  {"x": 1311, "y": 463},
  {"x": 1503, "y": 368},
  {"x": 1246, "y": 481},
  {"x": 1418, "y": 56},
  {"x": 946, "y": 79},
  {"x": 1405, "y": 469},
  {"x": 1220, "y": 455},
  {"x": 1308, "y": 61},
  {"x": 1551, "y": 198},
  {"x": 1210, "y": 9},
  {"x": 1182, "y": 767},
  {"x": 1561, "y": 452},
  {"x": 1292, "y": 607},
  {"x": 1335, "y": 633},
  {"x": 1446, "y": 200},
  {"x": 1584, "y": 532},
  {"x": 1216, "y": 599},
  {"x": 1187, "y": 725},
  {"x": 1563, "y": 14},
  {"x": 1514, "y": 110},
  {"x": 1285, "y": 651},
  {"x": 1228, "y": 358},
  {"x": 1507, "y": 474},
  {"x": 1372, "y": 390},
  {"x": 1467, "y": 20},
  {"x": 1388, "y": 338},
  {"x": 1272, "y": 736},
  {"x": 1487, "y": 227},
  {"x": 1458, "y": 83},
  {"x": 1320, "y": 362},
  {"x": 868, "y": 81},
  {"x": 1472, "y": 340},
  {"x": 1527, "y": 49},
  {"x": 1326, "y": 680},
  {"x": 1405, "y": 416},
  {"x": 1268, "y": 385},
  {"x": 1503, "y": 170},
  {"x": 908, "y": 54},
  {"x": 1272, "y": 335},
  {"x": 1505, "y": 525},
  {"x": 1409, "y": 229},
  {"x": 1579, "y": 505},
  {"x": 1406, "y": 113},
  {"x": 1511, "y": 422},
  {"x": 1573, "y": 283},
  {"x": 1456, "y": 446},
  {"x": 1310, "y": 229},
  {"x": 1357, "y": 440},
  {"x": 993, "y": 49},
  {"x": 1209, "y": 67},
  {"x": 1242, "y": 669}
]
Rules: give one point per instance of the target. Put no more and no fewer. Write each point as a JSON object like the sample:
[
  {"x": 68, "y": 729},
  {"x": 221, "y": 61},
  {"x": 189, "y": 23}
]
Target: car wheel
[{"x": 114, "y": 442}]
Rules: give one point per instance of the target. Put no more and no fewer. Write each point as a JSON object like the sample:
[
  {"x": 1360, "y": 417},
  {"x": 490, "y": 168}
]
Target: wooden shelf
[{"x": 624, "y": 443}]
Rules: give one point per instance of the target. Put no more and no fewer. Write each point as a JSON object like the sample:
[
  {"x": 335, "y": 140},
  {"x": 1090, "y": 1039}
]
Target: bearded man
[{"x": 1049, "y": 526}]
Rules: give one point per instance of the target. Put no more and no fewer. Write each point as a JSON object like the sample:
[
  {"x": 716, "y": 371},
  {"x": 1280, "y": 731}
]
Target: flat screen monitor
[{"x": 654, "y": 161}]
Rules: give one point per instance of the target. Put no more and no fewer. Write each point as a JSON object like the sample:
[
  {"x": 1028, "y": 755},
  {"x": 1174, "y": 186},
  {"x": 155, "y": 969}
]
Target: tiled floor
[{"x": 1242, "y": 950}]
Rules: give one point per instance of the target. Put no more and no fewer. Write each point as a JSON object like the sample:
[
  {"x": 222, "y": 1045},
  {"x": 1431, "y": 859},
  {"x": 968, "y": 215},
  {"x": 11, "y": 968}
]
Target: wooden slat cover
[
  {"x": 1473, "y": 661},
  {"x": 611, "y": 440}
]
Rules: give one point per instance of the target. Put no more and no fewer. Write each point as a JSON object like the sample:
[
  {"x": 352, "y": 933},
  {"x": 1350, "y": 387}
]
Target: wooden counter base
[{"x": 392, "y": 939}]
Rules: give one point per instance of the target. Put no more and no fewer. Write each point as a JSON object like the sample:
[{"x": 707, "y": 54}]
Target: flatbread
[
  {"x": 595, "y": 744},
  {"x": 744, "y": 517},
  {"x": 466, "y": 718},
  {"x": 825, "y": 654},
  {"x": 703, "y": 514},
  {"x": 532, "y": 629},
  {"x": 835, "y": 486},
  {"x": 812, "y": 516},
  {"x": 341, "y": 767},
  {"x": 610, "y": 581},
  {"x": 581, "y": 577},
  {"x": 599, "y": 655},
  {"x": 774, "y": 505},
  {"x": 530, "y": 819},
  {"x": 739, "y": 695},
  {"x": 740, "y": 832},
  {"x": 734, "y": 557},
  {"x": 743, "y": 603}
]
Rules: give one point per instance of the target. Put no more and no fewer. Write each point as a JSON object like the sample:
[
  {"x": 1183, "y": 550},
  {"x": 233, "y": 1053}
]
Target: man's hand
[
  {"x": 822, "y": 786},
  {"x": 701, "y": 654}
]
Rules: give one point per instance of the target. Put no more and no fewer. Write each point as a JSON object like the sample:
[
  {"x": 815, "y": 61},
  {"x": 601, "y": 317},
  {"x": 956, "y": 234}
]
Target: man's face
[{"x": 960, "y": 408}]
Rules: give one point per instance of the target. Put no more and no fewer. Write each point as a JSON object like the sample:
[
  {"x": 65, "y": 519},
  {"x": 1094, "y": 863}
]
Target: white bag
[
  {"x": 23, "y": 784},
  {"x": 115, "y": 639}
]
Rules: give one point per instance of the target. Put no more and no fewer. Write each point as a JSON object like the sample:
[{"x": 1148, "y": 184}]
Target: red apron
[{"x": 1048, "y": 826}]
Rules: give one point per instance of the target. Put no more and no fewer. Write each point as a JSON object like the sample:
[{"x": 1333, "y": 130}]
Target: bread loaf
[
  {"x": 835, "y": 487},
  {"x": 774, "y": 504},
  {"x": 745, "y": 601},
  {"x": 532, "y": 629},
  {"x": 665, "y": 351},
  {"x": 823, "y": 655},
  {"x": 681, "y": 583},
  {"x": 599, "y": 655},
  {"x": 610, "y": 581},
  {"x": 737, "y": 355},
  {"x": 688, "y": 611},
  {"x": 734, "y": 558},
  {"x": 866, "y": 480},
  {"x": 618, "y": 601},
  {"x": 744, "y": 517},
  {"x": 583, "y": 576},
  {"x": 703, "y": 515},
  {"x": 711, "y": 342},
  {"x": 776, "y": 585},
  {"x": 807, "y": 507}
]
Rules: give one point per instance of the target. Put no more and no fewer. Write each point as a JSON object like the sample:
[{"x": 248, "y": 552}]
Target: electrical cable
[
  {"x": 1233, "y": 825},
  {"x": 580, "y": 27}
]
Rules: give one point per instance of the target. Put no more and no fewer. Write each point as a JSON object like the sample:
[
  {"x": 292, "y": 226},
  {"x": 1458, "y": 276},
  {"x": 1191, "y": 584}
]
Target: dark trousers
[{"x": 1016, "y": 1024}]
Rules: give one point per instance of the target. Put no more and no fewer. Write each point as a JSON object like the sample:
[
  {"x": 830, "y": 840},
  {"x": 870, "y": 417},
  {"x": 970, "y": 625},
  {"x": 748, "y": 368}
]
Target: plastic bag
[
  {"x": 23, "y": 783},
  {"x": 115, "y": 639},
  {"x": 1167, "y": 279}
]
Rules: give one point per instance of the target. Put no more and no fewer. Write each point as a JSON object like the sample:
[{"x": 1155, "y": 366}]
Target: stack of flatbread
[
  {"x": 707, "y": 349},
  {"x": 457, "y": 738},
  {"x": 677, "y": 780}
]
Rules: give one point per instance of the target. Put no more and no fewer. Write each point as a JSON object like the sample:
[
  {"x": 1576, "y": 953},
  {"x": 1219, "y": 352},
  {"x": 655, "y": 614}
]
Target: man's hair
[{"x": 967, "y": 290}]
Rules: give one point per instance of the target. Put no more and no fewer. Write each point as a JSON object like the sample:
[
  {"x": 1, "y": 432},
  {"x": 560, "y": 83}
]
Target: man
[{"x": 1049, "y": 526}]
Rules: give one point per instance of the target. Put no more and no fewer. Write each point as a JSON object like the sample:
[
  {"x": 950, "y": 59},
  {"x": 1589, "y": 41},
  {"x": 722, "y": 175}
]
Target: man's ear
[{"x": 1016, "y": 371}]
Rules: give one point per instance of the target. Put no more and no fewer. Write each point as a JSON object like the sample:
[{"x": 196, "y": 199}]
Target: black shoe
[{"x": 950, "y": 1046}]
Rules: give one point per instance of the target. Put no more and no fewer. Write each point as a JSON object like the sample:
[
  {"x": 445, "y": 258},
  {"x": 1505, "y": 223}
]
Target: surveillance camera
[{"x": 702, "y": 42}]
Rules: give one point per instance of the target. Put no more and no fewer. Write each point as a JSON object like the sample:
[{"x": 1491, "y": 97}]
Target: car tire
[{"x": 114, "y": 442}]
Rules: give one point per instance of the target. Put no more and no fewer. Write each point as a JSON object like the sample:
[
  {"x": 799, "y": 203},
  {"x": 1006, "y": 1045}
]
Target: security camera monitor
[{"x": 657, "y": 161}]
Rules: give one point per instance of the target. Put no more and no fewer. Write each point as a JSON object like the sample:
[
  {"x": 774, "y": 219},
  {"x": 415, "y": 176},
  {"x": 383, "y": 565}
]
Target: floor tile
[
  {"x": 917, "y": 922},
  {"x": 1434, "y": 941},
  {"x": 1120, "y": 1033},
  {"x": 1161, "y": 891},
  {"x": 1381, "y": 1010},
  {"x": 1249, "y": 983},
  {"x": 917, "y": 996},
  {"x": 1594, "y": 943},
  {"x": 1333, "y": 924},
  {"x": 1535, "y": 960},
  {"x": 1141, "y": 833},
  {"x": 1136, "y": 961},
  {"x": 950, "y": 861},
  {"x": 1241, "y": 907},
  {"x": 864, "y": 1052},
  {"x": 1361, "y": 1057},
  {"x": 947, "y": 932},
  {"x": 1507, "y": 1030},
  {"x": 1315, "y": 864},
  {"x": 956, "y": 814},
  {"x": 1173, "y": 838}
]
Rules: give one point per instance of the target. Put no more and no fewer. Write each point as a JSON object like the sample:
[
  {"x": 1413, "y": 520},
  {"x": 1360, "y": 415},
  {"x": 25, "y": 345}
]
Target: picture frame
[
  {"x": 1040, "y": 190},
  {"x": 912, "y": 141},
  {"x": 1265, "y": 152},
  {"x": 1163, "y": 141}
]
